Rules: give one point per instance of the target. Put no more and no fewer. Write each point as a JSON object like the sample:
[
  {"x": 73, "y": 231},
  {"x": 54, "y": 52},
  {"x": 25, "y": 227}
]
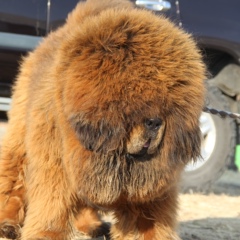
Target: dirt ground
[{"x": 215, "y": 216}]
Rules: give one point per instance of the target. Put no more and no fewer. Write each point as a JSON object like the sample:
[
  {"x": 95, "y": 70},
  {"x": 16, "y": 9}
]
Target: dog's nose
[{"x": 153, "y": 124}]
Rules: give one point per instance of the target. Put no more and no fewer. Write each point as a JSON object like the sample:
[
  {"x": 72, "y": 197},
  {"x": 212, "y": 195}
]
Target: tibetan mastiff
[{"x": 105, "y": 115}]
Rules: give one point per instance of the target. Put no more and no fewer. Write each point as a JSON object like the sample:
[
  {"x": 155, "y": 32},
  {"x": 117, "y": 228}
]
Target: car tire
[{"x": 217, "y": 150}]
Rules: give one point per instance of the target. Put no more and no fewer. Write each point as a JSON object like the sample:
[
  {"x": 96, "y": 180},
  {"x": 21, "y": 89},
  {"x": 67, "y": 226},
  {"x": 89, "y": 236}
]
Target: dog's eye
[{"x": 90, "y": 148}]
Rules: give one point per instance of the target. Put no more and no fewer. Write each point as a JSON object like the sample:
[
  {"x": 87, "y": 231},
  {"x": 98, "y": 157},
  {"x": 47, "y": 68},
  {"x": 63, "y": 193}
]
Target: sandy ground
[{"x": 215, "y": 216}]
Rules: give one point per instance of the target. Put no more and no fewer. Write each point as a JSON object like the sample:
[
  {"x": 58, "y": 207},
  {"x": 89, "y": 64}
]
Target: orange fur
[{"x": 77, "y": 139}]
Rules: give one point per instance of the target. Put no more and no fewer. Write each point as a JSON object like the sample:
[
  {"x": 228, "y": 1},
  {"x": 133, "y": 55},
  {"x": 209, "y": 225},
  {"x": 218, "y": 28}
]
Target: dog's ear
[
  {"x": 99, "y": 137},
  {"x": 184, "y": 141},
  {"x": 189, "y": 142}
]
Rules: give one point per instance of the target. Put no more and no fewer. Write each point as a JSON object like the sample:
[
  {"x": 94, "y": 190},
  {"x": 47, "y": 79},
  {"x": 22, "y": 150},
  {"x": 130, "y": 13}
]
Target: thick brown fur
[{"x": 78, "y": 141}]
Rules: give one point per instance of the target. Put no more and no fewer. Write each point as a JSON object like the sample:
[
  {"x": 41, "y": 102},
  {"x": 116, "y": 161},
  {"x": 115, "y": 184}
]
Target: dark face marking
[{"x": 101, "y": 138}]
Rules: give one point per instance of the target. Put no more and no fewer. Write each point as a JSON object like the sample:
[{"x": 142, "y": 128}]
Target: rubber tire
[{"x": 200, "y": 179}]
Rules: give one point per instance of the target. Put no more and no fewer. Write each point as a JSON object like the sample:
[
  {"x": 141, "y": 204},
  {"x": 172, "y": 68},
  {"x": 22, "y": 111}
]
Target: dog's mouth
[{"x": 142, "y": 155}]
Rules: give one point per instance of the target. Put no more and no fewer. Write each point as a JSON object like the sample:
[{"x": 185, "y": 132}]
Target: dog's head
[
  {"x": 133, "y": 137},
  {"x": 132, "y": 89}
]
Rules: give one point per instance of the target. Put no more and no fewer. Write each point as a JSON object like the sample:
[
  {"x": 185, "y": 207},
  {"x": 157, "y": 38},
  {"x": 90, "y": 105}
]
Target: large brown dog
[{"x": 104, "y": 117}]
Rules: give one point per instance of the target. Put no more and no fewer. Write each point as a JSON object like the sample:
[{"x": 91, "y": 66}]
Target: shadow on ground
[
  {"x": 211, "y": 229},
  {"x": 228, "y": 184}
]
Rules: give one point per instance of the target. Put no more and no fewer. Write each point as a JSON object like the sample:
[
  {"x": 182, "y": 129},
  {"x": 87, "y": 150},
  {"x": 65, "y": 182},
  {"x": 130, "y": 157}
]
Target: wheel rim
[
  {"x": 3, "y": 128},
  {"x": 208, "y": 131}
]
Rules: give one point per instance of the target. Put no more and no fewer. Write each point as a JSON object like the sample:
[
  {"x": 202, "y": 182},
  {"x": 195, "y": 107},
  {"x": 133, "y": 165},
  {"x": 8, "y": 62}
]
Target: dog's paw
[
  {"x": 102, "y": 230},
  {"x": 9, "y": 231},
  {"x": 39, "y": 238},
  {"x": 44, "y": 235}
]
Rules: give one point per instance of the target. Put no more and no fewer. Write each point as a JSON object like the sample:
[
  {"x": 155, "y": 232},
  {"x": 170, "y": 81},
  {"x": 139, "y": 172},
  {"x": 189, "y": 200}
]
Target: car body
[{"x": 214, "y": 24}]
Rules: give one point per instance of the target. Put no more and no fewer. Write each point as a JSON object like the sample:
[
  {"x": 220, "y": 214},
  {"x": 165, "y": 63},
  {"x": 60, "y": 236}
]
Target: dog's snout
[{"x": 153, "y": 124}]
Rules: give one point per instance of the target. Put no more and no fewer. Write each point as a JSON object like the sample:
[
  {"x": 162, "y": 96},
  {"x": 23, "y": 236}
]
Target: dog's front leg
[
  {"x": 150, "y": 221},
  {"x": 48, "y": 198}
]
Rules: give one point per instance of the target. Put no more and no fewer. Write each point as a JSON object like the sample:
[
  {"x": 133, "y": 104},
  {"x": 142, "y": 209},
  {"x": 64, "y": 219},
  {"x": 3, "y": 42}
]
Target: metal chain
[{"x": 222, "y": 114}]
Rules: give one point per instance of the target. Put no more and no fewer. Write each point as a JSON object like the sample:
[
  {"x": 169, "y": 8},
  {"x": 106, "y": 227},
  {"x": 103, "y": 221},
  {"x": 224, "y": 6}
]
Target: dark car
[{"x": 214, "y": 24}]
